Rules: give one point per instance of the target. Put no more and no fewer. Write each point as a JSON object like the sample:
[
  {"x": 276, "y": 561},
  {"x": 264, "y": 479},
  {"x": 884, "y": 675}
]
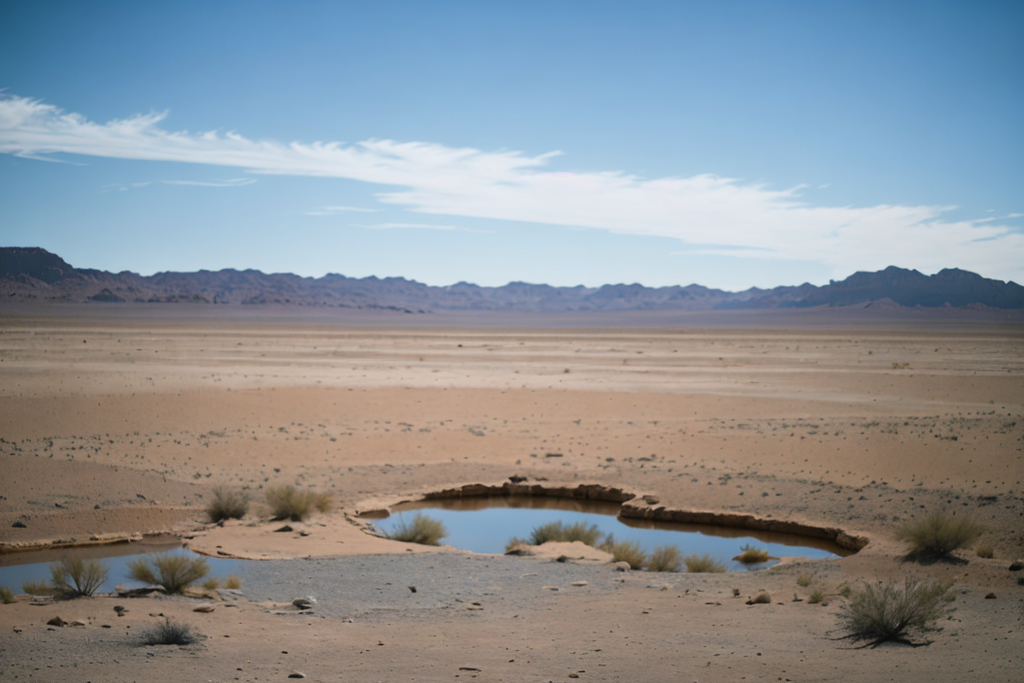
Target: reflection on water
[
  {"x": 34, "y": 565},
  {"x": 484, "y": 525}
]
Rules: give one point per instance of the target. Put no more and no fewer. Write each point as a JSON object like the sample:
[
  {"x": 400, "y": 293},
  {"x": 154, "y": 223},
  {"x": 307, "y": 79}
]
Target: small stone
[
  {"x": 17, "y": 629},
  {"x": 77, "y": 622},
  {"x": 579, "y": 583},
  {"x": 621, "y": 566},
  {"x": 56, "y": 621},
  {"x": 1015, "y": 566},
  {"x": 469, "y": 668},
  {"x": 206, "y": 609},
  {"x": 990, "y": 596},
  {"x": 296, "y": 674},
  {"x": 304, "y": 603},
  {"x": 285, "y": 528},
  {"x": 651, "y": 500},
  {"x": 19, "y": 524}
]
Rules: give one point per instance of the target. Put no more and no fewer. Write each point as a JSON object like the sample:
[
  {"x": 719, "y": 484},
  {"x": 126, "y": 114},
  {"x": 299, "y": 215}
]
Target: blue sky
[{"x": 731, "y": 144}]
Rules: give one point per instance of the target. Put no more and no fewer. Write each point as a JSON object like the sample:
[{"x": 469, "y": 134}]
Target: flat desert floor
[{"x": 117, "y": 421}]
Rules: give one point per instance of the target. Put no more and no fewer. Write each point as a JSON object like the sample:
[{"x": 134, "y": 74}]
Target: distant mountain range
[{"x": 32, "y": 274}]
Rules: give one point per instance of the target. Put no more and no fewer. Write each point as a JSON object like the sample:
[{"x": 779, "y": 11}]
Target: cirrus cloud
[{"x": 709, "y": 214}]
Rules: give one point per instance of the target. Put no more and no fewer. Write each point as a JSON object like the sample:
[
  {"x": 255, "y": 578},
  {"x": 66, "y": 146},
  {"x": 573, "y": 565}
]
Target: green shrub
[
  {"x": 816, "y": 597},
  {"x": 174, "y": 571},
  {"x": 751, "y": 555},
  {"x": 287, "y": 502},
  {"x": 627, "y": 551},
  {"x": 227, "y": 504},
  {"x": 939, "y": 534},
  {"x": 889, "y": 611},
  {"x": 74, "y": 577},
  {"x": 804, "y": 580},
  {"x": 422, "y": 529},
  {"x": 761, "y": 599},
  {"x": 556, "y": 531},
  {"x": 697, "y": 564},
  {"x": 665, "y": 558},
  {"x": 170, "y": 632},
  {"x": 6, "y": 595}
]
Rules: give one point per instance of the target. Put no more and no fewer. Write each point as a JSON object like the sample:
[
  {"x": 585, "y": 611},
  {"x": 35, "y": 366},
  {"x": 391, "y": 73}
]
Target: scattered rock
[
  {"x": 77, "y": 622},
  {"x": 651, "y": 500},
  {"x": 469, "y": 668},
  {"x": 412, "y": 589},
  {"x": 140, "y": 496},
  {"x": 304, "y": 603},
  {"x": 285, "y": 528},
  {"x": 56, "y": 621},
  {"x": 17, "y": 629},
  {"x": 579, "y": 583},
  {"x": 990, "y": 596},
  {"x": 621, "y": 566},
  {"x": 552, "y": 455},
  {"x": 296, "y": 674},
  {"x": 120, "y": 610},
  {"x": 517, "y": 479},
  {"x": 19, "y": 524},
  {"x": 1015, "y": 566},
  {"x": 204, "y": 608}
]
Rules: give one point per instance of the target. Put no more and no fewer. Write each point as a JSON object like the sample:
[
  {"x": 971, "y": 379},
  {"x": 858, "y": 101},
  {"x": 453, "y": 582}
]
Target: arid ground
[{"x": 119, "y": 420}]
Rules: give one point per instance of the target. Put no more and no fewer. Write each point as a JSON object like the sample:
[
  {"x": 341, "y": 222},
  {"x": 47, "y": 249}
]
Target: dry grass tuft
[
  {"x": 174, "y": 571},
  {"x": 752, "y": 555},
  {"x": 816, "y": 597},
  {"x": 288, "y": 502},
  {"x": 665, "y": 558},
  {"x": 703, "y": 564},
  {"x": 939, "y": 534},
  {"x": 884, "y": 612},
  {"x": 422, "y": 529},
  {"x": 556, "y": 531},
  {"x": 74, "y": 577},
  {"x": 233, "y": 582},
  {"x": 227, "y": 504},
  {"x": 626, "y": 551},
  {"x": 804, "y": 580},
  {"x": 985, "y": 550},
  {"x": 760, "y": 599},
  {"x": 170, "y": 632},
  {"x": 6, "y": 595}
]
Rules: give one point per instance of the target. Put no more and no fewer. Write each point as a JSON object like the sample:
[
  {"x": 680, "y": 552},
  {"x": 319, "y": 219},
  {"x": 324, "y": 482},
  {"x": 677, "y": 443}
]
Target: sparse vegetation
[
  {"x": 665, "y": 558},
  {"x": 41, "y": 588},
  {"x": 626, "y": 551},
  {"x": 761, "y": 599},
  {"x": 211, "y": 584},
  {"x": 804, "y": 580},
  {"x": 556, "y": 531},
  {"x": 703, "y": 564},
  {"x": 816, "y": 597},
  {"x": 174, "y": 571},
  {"x": 227, "y": 504},
  {"x": 74, "y": 577},
  {"x": 233, "y": 582},
  {"x": 288, "y": 502},
  {"x": 889, "y": 611},
  {"x": 751, "y": 555},
  {"x": 422, "y": 529},
  {"x": 939, "y": 534},
  {"x": 170, "y": 632},
  {"x": 985, "y": 550},
  {"x": 6, "y": 595}
]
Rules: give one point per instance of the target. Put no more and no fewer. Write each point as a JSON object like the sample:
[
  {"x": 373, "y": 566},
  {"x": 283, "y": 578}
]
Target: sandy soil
[{"x": 120, "y": 421}]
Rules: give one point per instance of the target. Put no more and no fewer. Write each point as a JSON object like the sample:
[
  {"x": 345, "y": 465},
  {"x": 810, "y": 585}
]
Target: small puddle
[
  {"x": 485, "y": 525},
  {"x": 34, "y": 565}
]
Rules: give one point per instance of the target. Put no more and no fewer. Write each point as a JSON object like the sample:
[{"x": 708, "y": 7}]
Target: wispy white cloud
[
  {"x": 709, "y": 213},
  {"x": 124, "y": 187},
  {"x": 334, "y": 210},
  {"x": 233, "y": 182},
  {"x": 406, "y": 226}
]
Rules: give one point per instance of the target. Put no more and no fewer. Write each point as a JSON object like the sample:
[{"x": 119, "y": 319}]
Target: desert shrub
[
  {"x": 174, "y": 571},
  {"x": 233, "y": 582},
  {"x": 696, "y": 564},
  {"x": 939, "y": 534},
  {"x": 628, "y": 551},
  {"x": 889, "y": 611},
  {"x": 846, "y": 592},
  {"x": 288, "y": 502},
  {"x": 74, "y": 577},
  {"x": 556, "y": 531},
  {"x": 761, "y": 599},
  {"x": 37, "y": 588},
  {"x": 816, "y": 597},
  {"x": 751, "y": 555},
  {"x": 517, "y": 546},
  {"x": 422, "y": 529},
  {"x": 6, "y": 595},
  {"x": 665, "y": 558},
  {"x": 170, "y": 632},
  {"x": 804, "y": 580},
  {"x": 227, "y": 504},
  {"x": 985, "y": 550},
  {"x": 211, "y": 584}
]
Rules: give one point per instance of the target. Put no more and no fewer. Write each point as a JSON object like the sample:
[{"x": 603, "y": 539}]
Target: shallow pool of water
[
  {"x": 485, "y": 525},
  {"x": 34, "y": 565}
]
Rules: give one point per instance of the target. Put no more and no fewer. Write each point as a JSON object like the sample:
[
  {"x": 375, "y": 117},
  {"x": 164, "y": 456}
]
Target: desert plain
[{"x": 120, "y": 420}]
